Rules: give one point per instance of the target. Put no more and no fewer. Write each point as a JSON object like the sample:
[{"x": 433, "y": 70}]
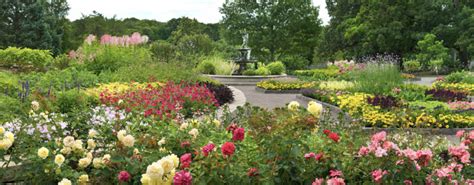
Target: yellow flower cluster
[
  {"x": 6, "y": 139},
  {"x": 457, "y": 119},
  {"x": 161, "y": 171},
  {"x": 408, "y": 76},
  {"x": 336, "y": 85},
  {"x": 284, "y": 85},
  {"x": 118, "y": 87},
  {"x": 455, "y": 86},
  {"x": 356, "y": 105},
  {"x": 425, "y": 120}
]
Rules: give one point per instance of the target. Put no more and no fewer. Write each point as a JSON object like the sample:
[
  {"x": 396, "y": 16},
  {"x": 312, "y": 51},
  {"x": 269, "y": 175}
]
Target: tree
[
  {"x": 33, "y": 23},
  {"x": 430, "y": 50},
  {"x": 275, "y": 27}
]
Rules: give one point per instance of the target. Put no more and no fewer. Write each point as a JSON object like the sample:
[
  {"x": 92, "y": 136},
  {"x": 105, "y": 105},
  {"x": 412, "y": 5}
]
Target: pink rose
[
  {"x": 377, "y": 175},
  {"x": 182, "y": 178},
  {"x": 238, "y": 134},
  {"x": 185, "y": 160},
  {"x": 228, "y": 149},
  {"x": 124, "y": 176}
]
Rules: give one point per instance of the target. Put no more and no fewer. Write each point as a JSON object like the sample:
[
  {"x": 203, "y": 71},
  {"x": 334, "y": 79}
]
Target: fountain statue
[{"x": 244, "y": 57}]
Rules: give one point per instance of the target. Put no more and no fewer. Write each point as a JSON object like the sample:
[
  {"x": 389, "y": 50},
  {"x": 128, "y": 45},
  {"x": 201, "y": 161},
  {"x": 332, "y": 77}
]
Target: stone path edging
[
  {"x": 268, "y": 91},
  {"x": 239, "y": 100}
]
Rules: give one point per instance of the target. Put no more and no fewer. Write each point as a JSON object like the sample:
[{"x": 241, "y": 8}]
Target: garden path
[
  {"x": 426, "y": 80},
  {"x": 269, "y": 101}
]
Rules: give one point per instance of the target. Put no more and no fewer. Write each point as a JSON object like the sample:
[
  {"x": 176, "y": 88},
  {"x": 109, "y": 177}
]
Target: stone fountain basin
[{"x": 243, "y": 80}]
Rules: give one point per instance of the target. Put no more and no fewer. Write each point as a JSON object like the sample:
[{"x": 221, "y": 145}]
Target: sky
[{"x": 206, "y": 11}]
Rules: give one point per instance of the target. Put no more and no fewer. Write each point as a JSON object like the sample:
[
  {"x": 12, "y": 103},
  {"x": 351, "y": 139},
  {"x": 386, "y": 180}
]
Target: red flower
[
  {"x": 185, "y": 144},
  {"x": 228, "y": 148},
  {"x": 309, "y": 155},
  {"x": 182, "y": 178},
  {"x": 238, "y": 134},
  {"x": 208, "y": 148},
  {"x": 185, "y": 160},
  {"x": 334, "y": 136},
  {"x": 252, "y": 172},
  {"x": 124, "y": 176},
  {"x": 232, "y": 127},
  {"x": 335, "y": 173},
  {"x": 319, "y": 156},
  {"x": 327, "y": 132}
]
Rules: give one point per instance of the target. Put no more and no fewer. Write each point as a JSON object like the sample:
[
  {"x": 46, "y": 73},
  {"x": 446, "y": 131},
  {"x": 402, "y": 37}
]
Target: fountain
[{"x": 244, "y": 58}]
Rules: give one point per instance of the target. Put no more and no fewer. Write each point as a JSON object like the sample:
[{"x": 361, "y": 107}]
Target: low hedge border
[{"x": 270, "y": 91}]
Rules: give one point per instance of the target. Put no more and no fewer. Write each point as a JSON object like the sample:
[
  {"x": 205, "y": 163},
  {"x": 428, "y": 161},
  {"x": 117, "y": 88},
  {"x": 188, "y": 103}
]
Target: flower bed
[
  {"x": 254, "y": 146},
  {"x": 284, "y": 85}
]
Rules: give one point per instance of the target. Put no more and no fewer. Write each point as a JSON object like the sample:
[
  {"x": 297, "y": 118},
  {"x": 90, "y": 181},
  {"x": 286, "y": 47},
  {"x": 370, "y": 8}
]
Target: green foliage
[
  {"x": 61, "y": 62},
  {"x": 273, "y": 28},
  {"x": 8, "y": 83},
  {"x": 263, "y": 71},
  {"x": 25, "y": 59},
  {"x": 318, "y": 74},
  {"x": 249, "y": 72},
  {"x": 9, "y": 108},
  {"x": 294, "y": 62},
  {"x": 206, "y": 67},
  {"x": 216, "y": 64},
  {"x": 276, "y": 68},
  {"x": 72, "y": 100},
  {"x": 33, "y": 24},
  {"x": 174, "y": 71},
  {"x": 429, "y": 105},
  {"x": 431, "y": 49},
  {"x": 163, "y": 51},
  {"x": 377, "y": 78},
  {"x": 460, "y": 77},
  {"x": 100, "y": 58},
  {"x": 411, "y": 65},
  {"x": 58, "y": 80},
  {"x": 412, "y": 92}
]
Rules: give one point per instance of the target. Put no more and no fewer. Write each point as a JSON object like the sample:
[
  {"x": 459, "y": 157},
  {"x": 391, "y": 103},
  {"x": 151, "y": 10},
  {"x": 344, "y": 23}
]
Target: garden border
[
  {"x": 271, "y": 91},
  {"x": 331, "y": 107}
]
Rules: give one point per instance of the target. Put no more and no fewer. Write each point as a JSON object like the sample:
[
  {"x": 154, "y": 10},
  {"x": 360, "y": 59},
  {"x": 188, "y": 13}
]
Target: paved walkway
[
  {"x": 269, "y": 101},
  {"x": 428, "y": 80}
]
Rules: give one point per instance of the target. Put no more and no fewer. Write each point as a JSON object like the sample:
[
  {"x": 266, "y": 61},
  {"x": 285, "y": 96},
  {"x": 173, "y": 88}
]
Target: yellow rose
[
  {"x": 92, "y": 133},
  {"x": 66, "y": 150},
  {"x": 216, "y": 122},
  {"x": 315, "y": 108},
  {"x": 293, "y": 106},
  {"x": 2, "y": 130},
  {"x": 83, "y": 179},
  {"x": 91, "y": 144},
  {"x": 145, "y": 179},
  {"x": 167, "y": 164},
  {"x": 175, "y": 160},
  {"x": 121, "y": 134},
  {"x": 194, "y": 132},
  {"x": 154, "y": 171},
  {"x": 128, "y": 141},
  {"x": 84, "y": 162},
  {"x": 43, "y": 152},
  {"x": 59, "y": 159},
  {"x": 77, "y": 145},
  {"x": 5, "y": 144},
  {"x": 162, "y": 142},
  {"x": 65, "y": 182},
  {"x": 97, "y": 162},
  {"x": 68, "y": 141}
]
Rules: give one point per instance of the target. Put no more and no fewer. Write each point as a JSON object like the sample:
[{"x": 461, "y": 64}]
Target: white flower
[
  {"x": 84, "y": 162},
  {"x": 121, "y": 134},
  {"x": 194, "y": 132},
  {"x": 167, "y": 164},
  {"x": 89, "y": 155},
  {"x": 65, "y": 182},
  {"x": 35, "y": 105},
  {"x": 68, "y": 141},
  {"x": 106, "y": 157},
  {"x": 128, "y": 141},
  {"x": 92, "y": 133},
  {"x": 162, "y": 141},
  {"x": 59, "y": 159},
  {"x": 91, "y": 144},
  {"x": 136, "y": 152},
  {"x": 43, "y": 152}
]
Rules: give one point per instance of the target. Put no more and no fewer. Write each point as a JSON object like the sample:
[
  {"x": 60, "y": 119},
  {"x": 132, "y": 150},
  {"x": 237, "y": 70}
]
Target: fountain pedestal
[{"x": 243, "y": 60}]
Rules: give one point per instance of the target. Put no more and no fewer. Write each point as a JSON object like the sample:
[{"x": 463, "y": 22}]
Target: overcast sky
[{"x": 162, "y": 10}]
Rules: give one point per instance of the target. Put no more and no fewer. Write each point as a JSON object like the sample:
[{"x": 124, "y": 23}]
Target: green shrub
[
  {"x": 57, "y": 80},
  {"x": 163, "y": 51},
  {"x": 8, "y": 83},
  {"x": 263, "y": 71},
  {"x": 101, "y": 58},
  {"x": 295, "y": 62},
  {"x": 411, "y": 65},
  {"x": 206, "y": 67},
  {"x": 25, "y": 59},
  {"x": 276, "y": 68},
  {"x": 319, "y": 74},
  {"x": 431, "y": 49},
  {"x": 377, "y": 78},
  {"x": 72, "y": 100},
  {"x": 249, "y": 72},
  {"x": 429, "y": 105},
  {"x": 61, "y": 62},
  {"x": 9, "y": 108},
  {"x": 460, "y": 77},
  {"x": 219, "y": 63}
]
